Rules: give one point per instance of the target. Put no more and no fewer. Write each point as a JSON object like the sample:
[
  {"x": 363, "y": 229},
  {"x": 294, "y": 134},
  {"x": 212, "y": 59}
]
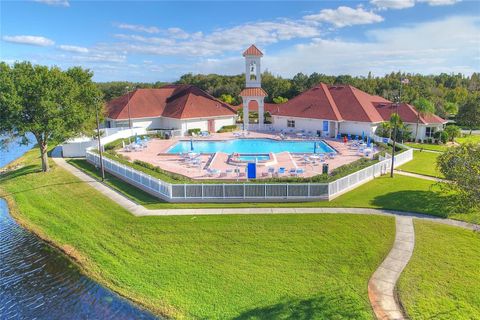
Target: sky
[{"x": 149, "y": 41}]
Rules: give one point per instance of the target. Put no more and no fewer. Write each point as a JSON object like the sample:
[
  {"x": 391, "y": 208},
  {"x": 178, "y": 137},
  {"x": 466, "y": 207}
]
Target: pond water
[{"x": 38, "y": 282}]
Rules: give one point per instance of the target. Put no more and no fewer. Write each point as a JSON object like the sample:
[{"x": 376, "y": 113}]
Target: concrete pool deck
[{"x": 156, "y": 154}]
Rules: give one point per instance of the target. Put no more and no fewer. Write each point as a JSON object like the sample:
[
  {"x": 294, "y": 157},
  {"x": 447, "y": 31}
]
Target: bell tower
[{"x": 253, "y": 85}]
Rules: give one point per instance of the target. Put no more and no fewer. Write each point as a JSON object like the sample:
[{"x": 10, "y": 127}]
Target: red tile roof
[
  {"x": 407, "y": 113},
  {"x": 253, "y": 51},
  {"x": 316, "y": 103},
  {"x": 173, "y": 101},
  {"x": 344, "y": 102},
  {"x": 354, "y": 104},
  {"x": 253, "y": 92}
]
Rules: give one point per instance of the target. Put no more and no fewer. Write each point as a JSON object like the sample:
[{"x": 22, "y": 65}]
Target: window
[
  {"x": 429, "y": 131},
  {"x": 253, "y": 70},
  {"x": 291, "y": 123}
]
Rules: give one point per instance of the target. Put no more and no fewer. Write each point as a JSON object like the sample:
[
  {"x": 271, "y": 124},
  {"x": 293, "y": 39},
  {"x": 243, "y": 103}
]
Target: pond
[{"x": 39, "y": 282}]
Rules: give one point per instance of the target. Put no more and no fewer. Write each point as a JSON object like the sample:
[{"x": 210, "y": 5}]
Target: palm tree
[
  {"x": 423, "y": 107},
  {"x": 395, "y": 120}
]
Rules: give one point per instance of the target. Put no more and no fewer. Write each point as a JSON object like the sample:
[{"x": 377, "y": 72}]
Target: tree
[
  {"x": 469, "y": 113},
  {"x": 453, "y": 132},
  {"x": 279, "y": 100},
  {"x": 227, "y": 98},
  {"x": 52, "y": 104},
  {"x": 461, "y": 166},
  {"x": 402, "y": 132},
  {"x": 424, "y": 108}
]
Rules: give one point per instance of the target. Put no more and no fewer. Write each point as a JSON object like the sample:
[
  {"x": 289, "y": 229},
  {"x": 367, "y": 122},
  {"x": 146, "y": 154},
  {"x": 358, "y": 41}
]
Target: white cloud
[
  {"x": 393, "y": 4},
  {"x": 439, "y": 2},
  {"x": 177, "y": 33},
  {"x": 58, "y": 3},
  {"x": 402, "y": 4},
  {"x": 71, "y": 48},
  {"x": 138, "y": 28},
  {"x": 177, "y": 42},
  {"x": 29, "y": 40},
  {"x": 345, "y": 16},
  {"x": 417, "y": 48}
]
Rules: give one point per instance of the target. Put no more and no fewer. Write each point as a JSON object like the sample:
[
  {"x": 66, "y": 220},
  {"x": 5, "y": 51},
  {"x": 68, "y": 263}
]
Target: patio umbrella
[
  {"x": 363, "y": 135},
  {"x": 191, "y": 144},
  {"x": 368, "y": 142},
  {"x": 314, "y": 147}
]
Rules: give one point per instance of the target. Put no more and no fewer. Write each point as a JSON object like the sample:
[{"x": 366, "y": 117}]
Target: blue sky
[{"x": 159, "y": 40}]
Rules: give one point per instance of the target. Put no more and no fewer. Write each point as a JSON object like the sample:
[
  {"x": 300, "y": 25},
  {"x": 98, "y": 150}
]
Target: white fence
[
  {"x": 246, "y": 192},
  {"x": 78, "y": 147}
]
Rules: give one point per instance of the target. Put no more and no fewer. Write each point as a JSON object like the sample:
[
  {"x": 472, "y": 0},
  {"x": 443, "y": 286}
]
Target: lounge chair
[
  {"x": 300, "y": 171},
  {"x": 281, "y": 170},
  {"x": 293, "y": 172}
]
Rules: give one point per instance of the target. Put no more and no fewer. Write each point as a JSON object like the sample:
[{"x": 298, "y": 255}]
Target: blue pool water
[
  {"x": 250, "y": 158},
  {"x": 251, "y": 146}
]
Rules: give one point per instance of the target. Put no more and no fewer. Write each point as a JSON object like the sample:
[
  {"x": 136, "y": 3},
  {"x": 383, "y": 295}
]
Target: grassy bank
[
  {"x": 424, "y": 163},
  {"x": 241, "y": 267},
  {"x": 428, "y": 146},
  {"x": 400, "y": 193},
  {"x": 441, "y": 280}
]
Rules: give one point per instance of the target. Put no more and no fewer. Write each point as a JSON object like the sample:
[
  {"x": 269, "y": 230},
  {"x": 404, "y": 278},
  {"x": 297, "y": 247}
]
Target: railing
[
  {"x": 266, "y": 127},
  {"x": 246, "y": 192}
]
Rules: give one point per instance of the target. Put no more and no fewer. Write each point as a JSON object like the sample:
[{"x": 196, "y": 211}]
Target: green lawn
[
  {"x": 442, "y": 279},
  {"x": 232, "y": 266},
  {"x": 428, "y": 146},
  {"x": 469, "y": 139},
  {"x": 423, "y": 163},
  {"x": 400, "y": 193}
]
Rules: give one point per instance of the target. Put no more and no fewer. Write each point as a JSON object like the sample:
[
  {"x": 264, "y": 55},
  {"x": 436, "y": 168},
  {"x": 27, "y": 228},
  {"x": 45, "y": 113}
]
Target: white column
[
  {"x": 261, "y": 111},
  {"x": 245, "y": 113}
]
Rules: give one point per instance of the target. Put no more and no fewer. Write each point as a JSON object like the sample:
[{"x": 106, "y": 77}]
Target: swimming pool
[{"x": 251, "y": 146}]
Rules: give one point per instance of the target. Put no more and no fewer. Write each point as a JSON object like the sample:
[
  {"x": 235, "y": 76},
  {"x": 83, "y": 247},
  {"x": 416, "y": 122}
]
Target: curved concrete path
[{"x": 381, "y": 287}]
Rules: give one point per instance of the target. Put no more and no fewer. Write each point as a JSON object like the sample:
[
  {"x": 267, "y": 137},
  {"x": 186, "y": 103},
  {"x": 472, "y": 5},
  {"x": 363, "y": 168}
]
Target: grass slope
[
  {"x": 428, "y": 146},
  {"x": 240, "y": 267},
  {"x": 423, "y": 163},
  {"x": 400, "y": 193},
  {"x": 474, "y": 138},
  {"x": 441, "y": 281}
]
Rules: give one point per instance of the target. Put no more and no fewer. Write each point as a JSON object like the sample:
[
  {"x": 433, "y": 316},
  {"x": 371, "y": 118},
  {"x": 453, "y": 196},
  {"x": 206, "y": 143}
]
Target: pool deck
[{"x": 156, "y": 154}]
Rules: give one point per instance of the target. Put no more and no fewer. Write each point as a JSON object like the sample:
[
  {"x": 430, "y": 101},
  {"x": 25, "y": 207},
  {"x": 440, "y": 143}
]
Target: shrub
[
  {"x": 461, "y": 166},
  {"x": 229, "y": 128},
  {"x": 441, "y": 136},
  {"x": 195, "y": 131},
  {"x": 453, "y": 132}
]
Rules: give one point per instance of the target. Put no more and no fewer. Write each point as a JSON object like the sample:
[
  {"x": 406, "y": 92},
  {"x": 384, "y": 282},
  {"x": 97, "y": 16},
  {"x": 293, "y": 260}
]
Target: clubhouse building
[{"x": 324, "y": 110}]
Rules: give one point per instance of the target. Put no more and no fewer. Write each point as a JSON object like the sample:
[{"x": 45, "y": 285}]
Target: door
[{"x": 211, "y": 125}]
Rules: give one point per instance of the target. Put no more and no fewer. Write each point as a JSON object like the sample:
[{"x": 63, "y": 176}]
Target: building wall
[
  {"x": 314, "y": 125},
  {"x": 220, "y": 122},
  {"x": 356, "y": 128},
  {"x": 202, "y": 124},
  {"x": 173, "y": 123},
  {"x": 147, "y": 123},
  {"x": 422, "y": 129}
]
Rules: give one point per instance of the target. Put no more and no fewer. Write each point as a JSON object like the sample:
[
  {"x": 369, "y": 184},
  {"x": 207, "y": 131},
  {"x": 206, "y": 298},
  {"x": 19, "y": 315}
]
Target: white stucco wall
[
  {"x": 422, "y": 129},
  {"x": 356, "y": 128},
  {"x": 280, "y": 123},
  {"x": 147, "y": 123},
  {"x": 220, "y": 122}
]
